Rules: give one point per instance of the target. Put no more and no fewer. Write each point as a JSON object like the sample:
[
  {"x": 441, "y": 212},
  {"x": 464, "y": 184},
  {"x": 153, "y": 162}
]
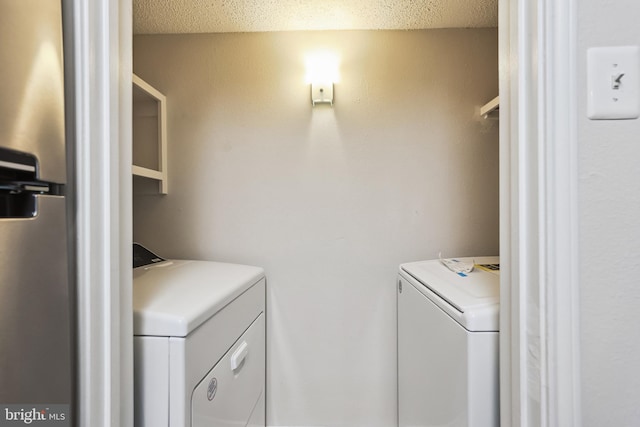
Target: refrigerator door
[
  {"x": 36, "y": 339},
  {"x": 32, "y": 83},
  {"x": 35, "y": 318}
]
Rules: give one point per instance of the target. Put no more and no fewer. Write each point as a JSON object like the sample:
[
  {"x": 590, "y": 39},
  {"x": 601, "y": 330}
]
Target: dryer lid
[
  {"x": 473, "y": 300},
  {"x": 172, "y": 298}
]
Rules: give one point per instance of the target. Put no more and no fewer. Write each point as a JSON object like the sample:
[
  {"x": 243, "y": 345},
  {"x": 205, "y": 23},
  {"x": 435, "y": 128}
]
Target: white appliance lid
[
  {"x": 475, "y": 298},
  {"x": 172, "y": 298}
]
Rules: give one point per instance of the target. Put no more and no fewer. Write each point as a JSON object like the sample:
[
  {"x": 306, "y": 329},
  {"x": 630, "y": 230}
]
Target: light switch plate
[{"x": 613, "y": 77}]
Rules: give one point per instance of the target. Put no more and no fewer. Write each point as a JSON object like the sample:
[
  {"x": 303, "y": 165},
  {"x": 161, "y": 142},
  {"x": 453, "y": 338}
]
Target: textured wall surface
[
  {"x": 609, "y": 197},
  {"x": 329, "y": 200},
  {"x": 206, "y": 16}
]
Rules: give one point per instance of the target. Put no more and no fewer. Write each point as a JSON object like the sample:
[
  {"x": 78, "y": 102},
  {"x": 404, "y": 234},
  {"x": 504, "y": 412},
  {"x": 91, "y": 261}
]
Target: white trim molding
[
  {"x": 101, "y": 45},
  {"x": 540, "y": 367},
  {"x": 560, "y": 215}
]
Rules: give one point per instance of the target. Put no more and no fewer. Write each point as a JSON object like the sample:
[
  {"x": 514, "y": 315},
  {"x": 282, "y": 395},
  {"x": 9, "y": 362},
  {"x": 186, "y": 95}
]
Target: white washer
[
  {"x": 199, "y": 343},
  {"x": 448, "y": 345}
]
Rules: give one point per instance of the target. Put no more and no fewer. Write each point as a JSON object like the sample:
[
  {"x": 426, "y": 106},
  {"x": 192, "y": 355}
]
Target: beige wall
[{"x": 328, "y": 200}]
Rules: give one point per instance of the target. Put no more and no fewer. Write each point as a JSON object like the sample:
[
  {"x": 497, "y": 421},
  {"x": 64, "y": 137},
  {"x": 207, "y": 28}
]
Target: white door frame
[
  {"x": 538, "y": 208},
  {"x": 102, "y": 45},
  {"x": 539, "y": 351}
]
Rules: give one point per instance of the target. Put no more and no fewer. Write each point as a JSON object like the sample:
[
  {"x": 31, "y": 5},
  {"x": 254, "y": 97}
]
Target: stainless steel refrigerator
[{"x": 36, "y": 293}]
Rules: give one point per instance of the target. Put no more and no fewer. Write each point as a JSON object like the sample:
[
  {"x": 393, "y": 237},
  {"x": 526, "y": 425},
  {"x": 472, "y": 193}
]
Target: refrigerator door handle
[
  {"x": 20, "y": 185},
  {"x": 17, "y": 162},
  {"x": 16, "y": 166},
  {"x": 31, "y": 187},
  {"x": 17, "y": 187}
]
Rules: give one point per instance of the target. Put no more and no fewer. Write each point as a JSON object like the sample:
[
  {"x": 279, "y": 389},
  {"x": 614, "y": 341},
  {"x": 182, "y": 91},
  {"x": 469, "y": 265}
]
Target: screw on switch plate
[{"x": 613, "y": 77}]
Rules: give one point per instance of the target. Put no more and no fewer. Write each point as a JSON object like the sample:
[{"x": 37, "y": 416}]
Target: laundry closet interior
[{"x": 328, "y": 199}]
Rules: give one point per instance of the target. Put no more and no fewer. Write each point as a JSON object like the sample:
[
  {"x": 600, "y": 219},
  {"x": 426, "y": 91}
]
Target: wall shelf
[
  {"x": 149, "y": 133},
  {"x": 147, "y": 173},
  {"x": 491, "y": 108}
]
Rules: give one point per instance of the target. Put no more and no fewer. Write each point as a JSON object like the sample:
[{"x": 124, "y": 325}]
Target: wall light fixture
[
  {"x": 322, "y": 73},
  {"x": 321, "y": 93}
]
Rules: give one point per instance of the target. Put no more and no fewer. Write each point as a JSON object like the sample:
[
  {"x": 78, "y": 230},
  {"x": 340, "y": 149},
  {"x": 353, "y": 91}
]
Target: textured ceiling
[{"x": 224, "y": 16}]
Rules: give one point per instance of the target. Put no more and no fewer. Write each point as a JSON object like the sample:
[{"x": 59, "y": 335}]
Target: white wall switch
[{"x": 613, "y": 77}]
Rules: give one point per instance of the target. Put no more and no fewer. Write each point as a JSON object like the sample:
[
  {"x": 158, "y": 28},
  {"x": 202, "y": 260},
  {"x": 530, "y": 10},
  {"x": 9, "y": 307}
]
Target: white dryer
[
  {"x": 448, "y": 345},
  {"x": 199, "y": 343}
]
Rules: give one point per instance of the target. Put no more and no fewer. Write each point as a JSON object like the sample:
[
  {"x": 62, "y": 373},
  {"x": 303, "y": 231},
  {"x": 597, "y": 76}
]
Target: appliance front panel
[
  {"x": 232, "y": 390},
  {"x": 35, "y": 312},
  {"x": 447, "y": 376},
  {"x": 432, "y": 364},
  {"x": 193, "y": 357},
  {"x": 32, "y": 83},
  {"x": 258, "y": 416}
]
